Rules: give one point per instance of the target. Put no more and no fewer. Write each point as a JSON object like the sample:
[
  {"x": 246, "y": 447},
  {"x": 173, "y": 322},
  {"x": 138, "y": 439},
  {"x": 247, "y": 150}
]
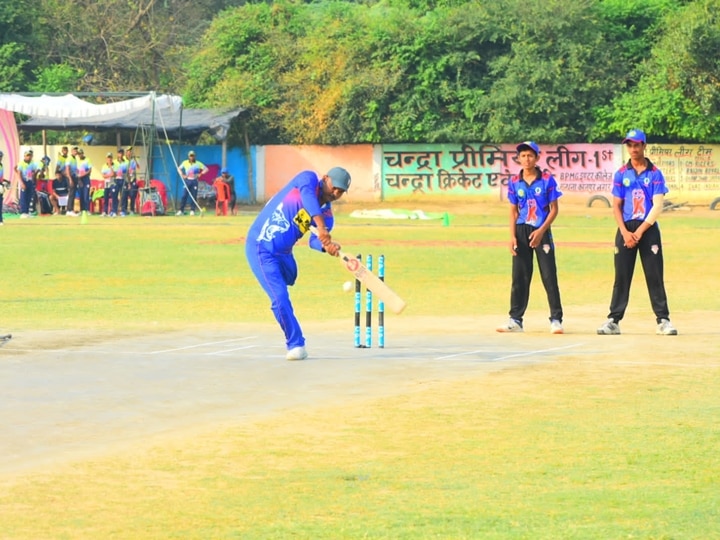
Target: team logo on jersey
[
  {"x": 646, "y": 180},
  {"x": 521, "y": 192},
  {"x": 276, "y": 224},
  {"x": 538, "y": 191},
  {"x": 638, "y": 200},
  {"x": 531, "y": 218},
  {"x": 655, "y": 248},
  {"x": 626, "y": 181}
]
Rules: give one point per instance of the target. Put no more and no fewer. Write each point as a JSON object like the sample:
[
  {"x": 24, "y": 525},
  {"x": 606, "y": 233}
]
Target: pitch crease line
[
  {"x": 517, "y": 355},
  {"x": 230, "y": 350},
  {"x": 202, "y": 345}
]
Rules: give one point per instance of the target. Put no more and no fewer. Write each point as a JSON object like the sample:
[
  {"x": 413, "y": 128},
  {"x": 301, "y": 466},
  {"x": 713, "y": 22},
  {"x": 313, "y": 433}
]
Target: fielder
[
  {"x": 304, "y": 202},
  {"x": 638, "y": 198}
]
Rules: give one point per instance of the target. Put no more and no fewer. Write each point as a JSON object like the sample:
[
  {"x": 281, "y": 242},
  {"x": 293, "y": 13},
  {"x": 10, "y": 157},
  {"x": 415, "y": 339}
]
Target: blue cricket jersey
[
  {"x": 533, "y": 200},
  {"x": 287, "y": 215},
  {"x": 637, "y": 190}
]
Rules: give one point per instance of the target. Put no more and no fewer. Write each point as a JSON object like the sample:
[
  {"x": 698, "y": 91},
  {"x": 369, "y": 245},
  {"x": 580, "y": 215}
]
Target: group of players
[
  {"x": 638, "y": 193},
  {"x": 58, "y": 192}
]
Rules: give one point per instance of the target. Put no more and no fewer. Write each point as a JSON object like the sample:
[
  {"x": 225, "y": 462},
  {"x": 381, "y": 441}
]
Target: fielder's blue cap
[
  {"x": 635, "y": 135},
  {"x": 224, "y": 170},
  {"x": 528, "y": 145}
]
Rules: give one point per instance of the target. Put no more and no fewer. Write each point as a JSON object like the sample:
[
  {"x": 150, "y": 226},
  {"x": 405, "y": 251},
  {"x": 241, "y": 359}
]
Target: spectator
[
  {"x": 71, "y": 175},
  {"x": 84, "y": 168},
  {"x": 109, "y": 186},
  {"x": 129, "y": 196},
  {"x": 59, "y": 191},
  {"x": 190, "y": 171},
  {"x": 27, "y": 171},
  {"x": 121, "y": 169}
]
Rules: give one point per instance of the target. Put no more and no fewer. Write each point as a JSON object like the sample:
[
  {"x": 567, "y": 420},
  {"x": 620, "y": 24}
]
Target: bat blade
[{"x": 378, "y": 287}]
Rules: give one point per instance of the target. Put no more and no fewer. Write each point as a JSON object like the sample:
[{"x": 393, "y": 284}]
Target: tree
[{"x": 677, "y": 97}]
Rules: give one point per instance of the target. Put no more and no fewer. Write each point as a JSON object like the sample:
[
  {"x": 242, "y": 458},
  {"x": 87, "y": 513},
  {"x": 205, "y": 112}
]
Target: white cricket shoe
[
  {"x": 610, "y": 328},
  {"x": 665, "y": 328},
  {"x": 179, "y": 213},
  {"x": 296, "y": 353},
  {"x": 192, "y": 212},
  {"x": 511, "y": 326},
  {"x": 556, "y": 327}
]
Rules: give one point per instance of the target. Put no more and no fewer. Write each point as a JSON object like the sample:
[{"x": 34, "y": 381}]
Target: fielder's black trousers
[
  {"x": 651, "y": 257},
  {"x": 522, "y": 272}
]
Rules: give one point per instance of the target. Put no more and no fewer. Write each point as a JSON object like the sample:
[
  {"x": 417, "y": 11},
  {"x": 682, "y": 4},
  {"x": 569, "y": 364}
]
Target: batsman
[{"x": 305, "y": 202}]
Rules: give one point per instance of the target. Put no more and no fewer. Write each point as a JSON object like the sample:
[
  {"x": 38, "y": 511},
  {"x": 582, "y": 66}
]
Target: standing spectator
[
  {"x": 59, "y": 192},
  {"x": 190, "y": 171},
  {"x": 121, "y": 170},
  {"x": 4, "y": 185},
  {"x": 109, "y": 186},
  {"x": 129, "y": 197},
  {"x": 71, "y": 175},
  {"x": 638, "y": 198},
  {"x": 27, "y": 171},
  {"x": 84, "y": 168},
  {"x": 43, "y": 187},
  {"x": 533, "y": 197},
  {"x": 229, "y": 179},
  {"x": 304, "y": 201}
]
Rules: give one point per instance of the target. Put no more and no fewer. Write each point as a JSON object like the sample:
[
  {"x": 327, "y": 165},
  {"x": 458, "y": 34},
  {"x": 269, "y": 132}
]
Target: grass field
[{"x": 621, "y": 443}]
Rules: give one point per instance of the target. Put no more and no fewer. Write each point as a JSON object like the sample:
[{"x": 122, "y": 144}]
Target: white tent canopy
[
  {"x": 165, "y": 112},
  {"x": 71, "y": 108}
]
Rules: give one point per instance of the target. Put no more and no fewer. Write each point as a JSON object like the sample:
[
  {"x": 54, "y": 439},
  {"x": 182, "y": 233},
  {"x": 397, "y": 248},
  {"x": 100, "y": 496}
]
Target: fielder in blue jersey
[
  {"x": 304, "y": 201},
  {"x": 638, "y": 198},
  {"x": 533, "y": 197}
]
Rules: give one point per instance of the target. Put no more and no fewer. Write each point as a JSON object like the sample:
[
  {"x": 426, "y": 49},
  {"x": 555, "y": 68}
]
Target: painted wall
[
  {"x": 281, "y": 163},
  {"x": 483, "y": 170},
  {"x": 420, "y": 172}
]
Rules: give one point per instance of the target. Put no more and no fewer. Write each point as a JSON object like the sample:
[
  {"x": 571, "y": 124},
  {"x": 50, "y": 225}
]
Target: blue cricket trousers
[{"x": 276, "y": 272}]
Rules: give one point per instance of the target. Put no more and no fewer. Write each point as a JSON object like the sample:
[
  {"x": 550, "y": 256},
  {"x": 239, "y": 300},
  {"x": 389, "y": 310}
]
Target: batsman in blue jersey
[
  {"x": 306, "y": 200},
  {"x": 533, "y": 197},
  {"x": 638, "y": 199}
]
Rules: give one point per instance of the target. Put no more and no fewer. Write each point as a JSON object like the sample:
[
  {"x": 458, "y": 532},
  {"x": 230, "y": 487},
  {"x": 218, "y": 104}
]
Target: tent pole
[{"x": 151, "y": 152}]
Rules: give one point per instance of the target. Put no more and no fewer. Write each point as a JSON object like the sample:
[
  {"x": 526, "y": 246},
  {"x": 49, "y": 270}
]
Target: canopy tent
[
  {"x": 165, "y": 112},
  {"x": 161, "y": 117}
]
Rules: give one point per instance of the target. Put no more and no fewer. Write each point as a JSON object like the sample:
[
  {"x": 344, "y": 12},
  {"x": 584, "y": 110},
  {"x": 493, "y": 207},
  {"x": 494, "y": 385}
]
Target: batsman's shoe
[
  {"x": 556, "y": 327},
  {"x": 610, "y": 328},
  {"x": 665, "y": 328},
  {"x": 511, "y": 326},
  {"x": 296, "y": 353}
]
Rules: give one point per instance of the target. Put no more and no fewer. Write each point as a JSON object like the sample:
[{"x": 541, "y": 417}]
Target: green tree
[
  {"x": 18, "y": 39},
  {"x": 677, "y": 97}
]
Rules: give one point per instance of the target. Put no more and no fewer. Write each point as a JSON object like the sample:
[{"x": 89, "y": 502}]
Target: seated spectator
[{"x": 59, "y": 193}]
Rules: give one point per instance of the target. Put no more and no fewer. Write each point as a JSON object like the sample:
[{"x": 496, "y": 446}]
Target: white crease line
[
  {"x": 230, "y": 350},
  {"x": 201, "y": 345},
  {"x": 529, "y": 353}
]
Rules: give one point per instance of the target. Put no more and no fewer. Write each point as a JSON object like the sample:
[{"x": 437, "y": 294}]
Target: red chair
[{"x": 222, "y": 196}]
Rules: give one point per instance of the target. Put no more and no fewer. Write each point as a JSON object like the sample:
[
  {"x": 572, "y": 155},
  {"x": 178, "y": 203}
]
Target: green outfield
[{"x": 615, "y": 438}]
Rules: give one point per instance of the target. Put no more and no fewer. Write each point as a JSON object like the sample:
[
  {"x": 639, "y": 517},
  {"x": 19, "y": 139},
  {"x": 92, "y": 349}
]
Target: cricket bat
[{"x": 378, "y": 287}]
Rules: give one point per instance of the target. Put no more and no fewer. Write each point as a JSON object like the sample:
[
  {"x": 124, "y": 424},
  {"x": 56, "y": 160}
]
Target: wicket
[{"x": 369, "y": 306}]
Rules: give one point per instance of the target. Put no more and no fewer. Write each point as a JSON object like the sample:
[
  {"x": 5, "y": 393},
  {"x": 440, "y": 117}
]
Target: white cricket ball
[{"x": 347, "y": 286}]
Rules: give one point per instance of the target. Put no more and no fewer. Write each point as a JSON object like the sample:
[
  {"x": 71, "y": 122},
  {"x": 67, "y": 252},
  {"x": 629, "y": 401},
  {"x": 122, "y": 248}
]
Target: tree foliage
[
  {"x": 337, "y": 71},
  {"x": 678, "y": 92}
]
